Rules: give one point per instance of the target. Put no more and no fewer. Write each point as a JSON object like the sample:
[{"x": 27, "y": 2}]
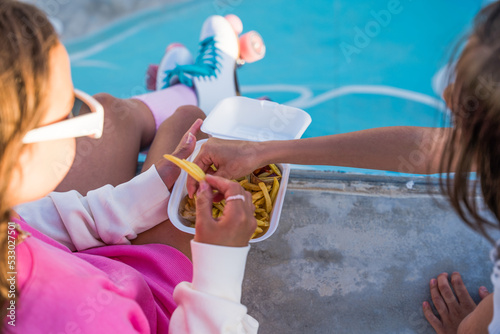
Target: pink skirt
[{"x": 146, "y": 274}]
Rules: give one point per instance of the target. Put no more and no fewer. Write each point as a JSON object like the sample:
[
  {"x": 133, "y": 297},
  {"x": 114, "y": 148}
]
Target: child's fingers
[
  {"x": 225, "y": 186},
  {"x": 188, "y": 141},
  {"x": 191, "y": 186},
  {"x": 191, "y": 133},
  {"x": 185, "y": 147},
  {"x": 431, "y": 318},
  {"x": 446, "y": 292},
  {"x": 204, "y": 200},
  {"x": 463, "y": 295},
  {"x": 195, "y": 128},
  {"x": 438, "y": 301},
  {"x": 483, "y": 292},
  {"x": 249, "y": 205}
]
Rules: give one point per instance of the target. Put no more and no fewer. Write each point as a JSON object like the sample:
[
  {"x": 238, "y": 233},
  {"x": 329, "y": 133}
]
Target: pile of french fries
[{"x": 263, "y": 184}]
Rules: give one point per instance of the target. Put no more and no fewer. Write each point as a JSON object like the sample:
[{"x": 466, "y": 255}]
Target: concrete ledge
[
  {"x": 374, "y": 185},
  {"x": 355, "y": 253}
]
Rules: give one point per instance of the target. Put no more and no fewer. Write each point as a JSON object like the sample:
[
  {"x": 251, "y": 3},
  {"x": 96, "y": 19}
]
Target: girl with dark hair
[{"x": 471, "y": 145}]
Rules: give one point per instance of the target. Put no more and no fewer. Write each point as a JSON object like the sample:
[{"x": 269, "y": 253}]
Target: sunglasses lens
[{"x": 79, "y": 107}]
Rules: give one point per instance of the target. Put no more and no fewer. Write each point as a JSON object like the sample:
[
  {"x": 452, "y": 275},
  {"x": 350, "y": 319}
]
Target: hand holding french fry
[
  {"x": 167, "y": 170},
  {"x": 232, "y": 159},
  {"x": 236, "y": 225}
]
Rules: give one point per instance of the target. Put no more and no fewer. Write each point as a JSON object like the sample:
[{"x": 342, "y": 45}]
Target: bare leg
[
  {"x": 171, "y": 131},
  {"x": 175, "y": 126},
  {"x": 112, "y": 159},
  {"x": 129, "y": 127}
]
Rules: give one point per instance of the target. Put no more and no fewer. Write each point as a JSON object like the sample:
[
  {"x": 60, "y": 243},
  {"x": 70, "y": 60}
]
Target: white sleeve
[
  {"x": 212, "y": 302},
  {"x": 494, "y": 326},
  {"x": 106, "y": 216}
]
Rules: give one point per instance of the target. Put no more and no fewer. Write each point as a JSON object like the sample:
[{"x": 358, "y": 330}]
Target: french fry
[
  {"x": 262, "y": 223},
  {"x": 265, "y": 179},
  {"x": 263, "y": 195},
  {"x": 215, "y": 212},
  {"x": 274, "y": 190},
  {"x": 191, "y": 168},
  {"x": 250, "y": 186},
  {"x": 257, "y": 194},
  {"x": 260, "y": 202},
  {"x": 219, "y": 206},
  {"x": 265, "y": 215},
  {"x": 269, "y": 203},
  {"x": 275, "y": 169}
]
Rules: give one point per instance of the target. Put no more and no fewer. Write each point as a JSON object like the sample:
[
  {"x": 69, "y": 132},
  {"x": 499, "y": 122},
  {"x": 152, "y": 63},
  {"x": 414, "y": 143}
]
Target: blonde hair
[{"x": 27, "y": 37}]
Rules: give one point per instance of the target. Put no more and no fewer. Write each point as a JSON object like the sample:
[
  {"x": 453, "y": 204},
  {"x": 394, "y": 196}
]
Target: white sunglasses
[{"x": 76, "y": 125}]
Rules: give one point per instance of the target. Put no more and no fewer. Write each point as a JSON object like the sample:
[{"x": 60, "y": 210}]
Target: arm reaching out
[{"x": 406, "y": 149}]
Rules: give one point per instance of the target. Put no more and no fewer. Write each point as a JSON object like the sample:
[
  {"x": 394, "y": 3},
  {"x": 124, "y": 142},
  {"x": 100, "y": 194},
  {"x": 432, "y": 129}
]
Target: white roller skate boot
[
  {"x": 219, "y": 51},
  {"x": 176, "y": 54},
  {"x": 213, "y": 74}
]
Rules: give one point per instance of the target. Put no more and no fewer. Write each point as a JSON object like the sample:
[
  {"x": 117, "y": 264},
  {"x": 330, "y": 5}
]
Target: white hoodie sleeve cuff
[{"x": 219, "y": 270}]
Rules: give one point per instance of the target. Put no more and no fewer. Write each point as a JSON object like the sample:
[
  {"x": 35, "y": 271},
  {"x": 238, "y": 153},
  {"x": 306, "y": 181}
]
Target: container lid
[{"x": 255, "y": 120}]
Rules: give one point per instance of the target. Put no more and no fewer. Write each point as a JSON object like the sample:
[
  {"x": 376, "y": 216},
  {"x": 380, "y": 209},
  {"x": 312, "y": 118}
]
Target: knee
[
  {"x": 190, "y": 112},
  {"x": 115, "y": 109},
  {"x": 106, "y": 100}
]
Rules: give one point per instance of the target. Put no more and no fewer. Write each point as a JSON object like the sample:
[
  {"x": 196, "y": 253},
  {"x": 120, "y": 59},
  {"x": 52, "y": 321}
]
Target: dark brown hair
[
  {"x": 474, "y": 144},
  {"x": 26, "y": 37}
]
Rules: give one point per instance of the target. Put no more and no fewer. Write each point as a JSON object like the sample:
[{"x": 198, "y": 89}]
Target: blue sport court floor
[{"x": 351, "y": 65}]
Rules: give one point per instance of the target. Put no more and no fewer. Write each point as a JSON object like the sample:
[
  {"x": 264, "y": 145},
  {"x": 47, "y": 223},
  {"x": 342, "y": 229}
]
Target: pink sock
[{"x": 163, "y": 103}]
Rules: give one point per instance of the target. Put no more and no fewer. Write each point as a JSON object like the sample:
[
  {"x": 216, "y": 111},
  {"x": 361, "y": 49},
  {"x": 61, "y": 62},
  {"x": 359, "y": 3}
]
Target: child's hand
[
  {"x": 168, "y": 171},
  {"x": 456, "y": 308},
  {"x": 237, "y": 224},
  {"x": 232, "y": 158}
]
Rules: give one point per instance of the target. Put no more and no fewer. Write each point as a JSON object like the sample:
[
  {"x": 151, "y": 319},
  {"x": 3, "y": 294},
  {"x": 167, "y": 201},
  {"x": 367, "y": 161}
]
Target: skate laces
[{"x": 206, "y": 65}]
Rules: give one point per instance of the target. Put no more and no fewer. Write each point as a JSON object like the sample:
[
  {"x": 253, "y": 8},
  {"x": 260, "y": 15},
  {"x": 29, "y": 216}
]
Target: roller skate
[
  {"x": 213, "y": 74},
  {"x": 175, "y": 54},
  {"x": 252, "y": 47}
]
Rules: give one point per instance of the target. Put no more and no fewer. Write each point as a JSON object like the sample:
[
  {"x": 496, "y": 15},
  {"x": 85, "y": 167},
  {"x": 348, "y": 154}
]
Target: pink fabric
[
  {"x": 111, "y": 289},
  {"x": 164, "y": 103}
]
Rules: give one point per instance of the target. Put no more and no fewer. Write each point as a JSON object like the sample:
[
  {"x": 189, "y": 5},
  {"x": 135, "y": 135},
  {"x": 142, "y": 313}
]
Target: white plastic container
[{"x": 241, "y": 118}]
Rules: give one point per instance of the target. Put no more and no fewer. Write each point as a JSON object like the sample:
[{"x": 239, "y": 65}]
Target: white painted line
[{"x": 307, "y": 100}]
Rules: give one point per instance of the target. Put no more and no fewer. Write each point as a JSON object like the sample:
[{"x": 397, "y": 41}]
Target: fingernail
[
  {"x": 483, "y": 288},
  {"x": 190, "y": 138},
  {"x": 425, "y": 304},
  {"x": 433, "y": 281}
]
